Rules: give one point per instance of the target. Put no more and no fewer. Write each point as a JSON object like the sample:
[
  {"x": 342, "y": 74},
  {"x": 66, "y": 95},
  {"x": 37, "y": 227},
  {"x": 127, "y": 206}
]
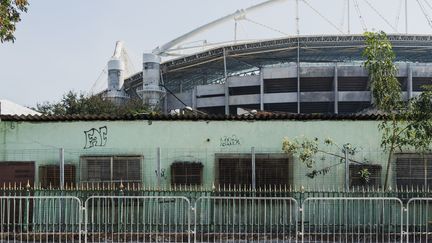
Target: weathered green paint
[{"x": 179, "y": 140}]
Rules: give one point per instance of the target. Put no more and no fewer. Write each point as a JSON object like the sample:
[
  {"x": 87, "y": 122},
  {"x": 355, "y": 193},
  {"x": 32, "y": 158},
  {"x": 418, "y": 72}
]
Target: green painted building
[{"x": 200, "y": 150}]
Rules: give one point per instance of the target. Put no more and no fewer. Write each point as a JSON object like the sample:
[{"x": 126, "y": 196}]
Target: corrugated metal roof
[{"x": 191, "y": 117}]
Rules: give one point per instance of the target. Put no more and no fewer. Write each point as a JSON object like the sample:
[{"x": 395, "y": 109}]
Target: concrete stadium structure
[{"x": 309, "y": 74}]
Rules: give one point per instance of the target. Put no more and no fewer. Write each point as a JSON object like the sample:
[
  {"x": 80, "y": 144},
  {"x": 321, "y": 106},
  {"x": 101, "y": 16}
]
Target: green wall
[{"x": 185, "y": 140}]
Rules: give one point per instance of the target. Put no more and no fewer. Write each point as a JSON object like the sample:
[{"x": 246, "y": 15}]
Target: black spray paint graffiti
[
  {"x": 226, "y": 141},
  {"x": 96, "y": 137}
]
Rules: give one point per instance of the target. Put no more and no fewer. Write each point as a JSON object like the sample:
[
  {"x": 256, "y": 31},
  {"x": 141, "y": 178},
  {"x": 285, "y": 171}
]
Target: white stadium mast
[
  {"x": 151, "y": 92},
  {"x": 239, "y": 14}
]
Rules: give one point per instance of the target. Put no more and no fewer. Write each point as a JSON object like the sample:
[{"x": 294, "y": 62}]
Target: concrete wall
[{"x": 185, "y": 140}]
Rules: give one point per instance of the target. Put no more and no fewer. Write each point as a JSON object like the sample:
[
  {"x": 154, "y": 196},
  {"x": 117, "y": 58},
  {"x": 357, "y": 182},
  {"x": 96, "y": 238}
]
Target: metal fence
[
  {"x": 37, "y": 219},
  {"x": 137, "y": 219},
  {"x": 246, "y": 219},
  {"x": 214, "y": 219},
  {"x": 419, "y": 220},
  {"x": 352, "y": 220}
]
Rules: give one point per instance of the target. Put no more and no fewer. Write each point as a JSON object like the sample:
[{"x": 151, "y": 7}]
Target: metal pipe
[
  {"x": 261, "y": 89},
  {"x": 236, "y": 15},
  {"x": 346, "y": 170},
  {"x": 298, "y": 56},
  {"x": 61, "y": 168},
  {"x": 253, "y": 169},
  {"x": 298, "y": 76},
  {"x": 158, "y": 166},
  {"x": 406, "y": 16},
  {"x": 235, "y": 31},
  {"x": 349, "y": 17},
  {"x": 336, "y": 91},
  {"x": 410, "y": 81},
  {"x": 226, "y": 84}
]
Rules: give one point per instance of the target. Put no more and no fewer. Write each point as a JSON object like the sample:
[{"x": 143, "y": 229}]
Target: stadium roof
[{"x": 208, "y": 66}]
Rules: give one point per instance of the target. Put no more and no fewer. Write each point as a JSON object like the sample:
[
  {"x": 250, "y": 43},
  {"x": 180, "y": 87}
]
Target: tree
[
  {"x": 10, "y": 15},
  {"x": 407, "y": 124},
  {"x": 307, "y": 151},
  {"x": 73, "y": 103}
]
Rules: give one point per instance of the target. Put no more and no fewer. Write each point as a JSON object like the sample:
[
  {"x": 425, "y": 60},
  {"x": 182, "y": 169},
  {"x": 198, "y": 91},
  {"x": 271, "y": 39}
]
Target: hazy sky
[{"x": 64, "y": 45}]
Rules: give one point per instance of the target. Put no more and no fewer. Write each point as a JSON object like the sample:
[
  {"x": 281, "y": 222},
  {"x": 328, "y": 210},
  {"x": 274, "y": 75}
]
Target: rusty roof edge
[{"x": 161, "y": 117}]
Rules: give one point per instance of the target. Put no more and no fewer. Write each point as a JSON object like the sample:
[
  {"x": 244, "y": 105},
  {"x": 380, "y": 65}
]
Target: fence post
[
  {"x": 61, "y": 168},
  {"x": 253, "y": 169},
  {"x": 27, "y": 207},
  {"x": 158, "y": 166},
  {"x": 120, "y": 208}
]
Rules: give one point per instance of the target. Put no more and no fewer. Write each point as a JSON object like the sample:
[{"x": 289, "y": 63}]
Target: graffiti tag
[
  {"x": 96, "y": 137},
  {"x": 227, "y": 141}
]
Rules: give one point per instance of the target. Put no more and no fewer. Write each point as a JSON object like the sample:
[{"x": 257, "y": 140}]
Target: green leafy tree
[
  {"x": 10, "y": 15},
  {"x": 309, "y": 150},
  {"x": 408, "y": 124},
  {"x": 73, "y": 103}
]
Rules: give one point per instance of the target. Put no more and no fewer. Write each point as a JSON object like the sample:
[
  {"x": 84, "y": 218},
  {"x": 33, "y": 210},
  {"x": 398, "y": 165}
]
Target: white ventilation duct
[
  {"x": 151, "y": 92},
  {"x": 115, "y": 74},
  {"x": 116, "y": 68}
]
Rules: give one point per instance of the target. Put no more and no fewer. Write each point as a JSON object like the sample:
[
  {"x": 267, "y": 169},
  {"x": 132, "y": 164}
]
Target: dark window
[
  {"x": 186, "y": 173},
  {"x": 217, "y": 110},
  {"x": 19, "y": 172},
  {"x": 49, "y": 175},
  {"x": 236, "y": 169},
  {"x": 244, "y": 90},
  {"x": 281, "y": 85},
  {"x": 419, "y": 82},
  {"x": 126, "y": 169},
  {"x": 357, "y": 180},
  {"x": 281, "y": 107},
  {"x": 111, "y": 168},
  {"x": 316, "y": 84},
  {"x": 413, "y": 170},
  {"x": 353, "y": 83},
  {"x": 317, "y": 107}
]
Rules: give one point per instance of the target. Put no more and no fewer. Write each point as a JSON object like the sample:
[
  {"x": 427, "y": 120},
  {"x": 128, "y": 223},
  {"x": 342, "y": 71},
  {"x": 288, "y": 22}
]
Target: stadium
[{"x": 294, "y": 74}]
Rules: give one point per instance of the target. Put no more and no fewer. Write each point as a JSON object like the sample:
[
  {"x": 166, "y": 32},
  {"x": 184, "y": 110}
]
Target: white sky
[{"x": 64, "y": 45}]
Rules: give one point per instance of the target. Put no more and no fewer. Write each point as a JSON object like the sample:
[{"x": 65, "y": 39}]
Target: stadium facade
[{"x": 309, "y": 74}]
